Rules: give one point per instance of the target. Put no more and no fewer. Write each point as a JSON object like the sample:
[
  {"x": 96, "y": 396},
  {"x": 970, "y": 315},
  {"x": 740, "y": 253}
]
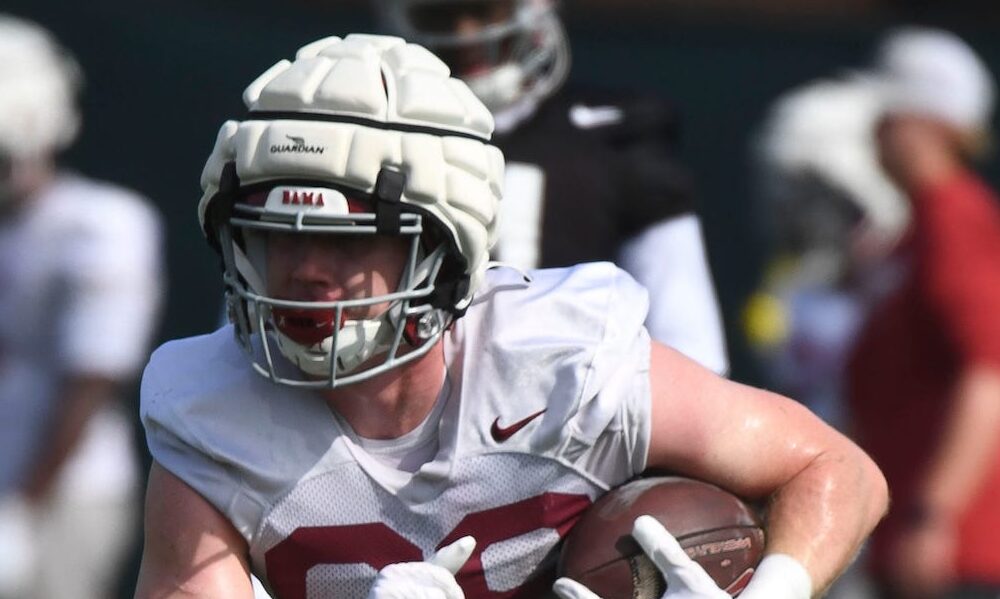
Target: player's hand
[
  {"x": 686, "y": 579},
  {"x": 433, "y": 579}
]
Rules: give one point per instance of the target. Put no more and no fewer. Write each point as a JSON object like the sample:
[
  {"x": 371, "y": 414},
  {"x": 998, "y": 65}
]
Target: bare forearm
[
  {"x": 158, "y": 585},
  {"x": 80, "y": 399},
  {"x": 968, "y": 446},
  {"x": 190, "y": 549},
  {"x": 823, "y": 515},
  {"x": 825, "y": 494}
]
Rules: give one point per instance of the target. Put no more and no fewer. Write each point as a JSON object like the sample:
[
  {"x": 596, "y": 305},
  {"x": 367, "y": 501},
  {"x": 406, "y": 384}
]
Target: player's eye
[{"x": 435, "y": 18}]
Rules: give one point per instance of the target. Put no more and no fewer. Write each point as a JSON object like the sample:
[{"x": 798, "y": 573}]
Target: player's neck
[
  {"x": 394, "y": 403},
  {"x": 27, "y": 181}
]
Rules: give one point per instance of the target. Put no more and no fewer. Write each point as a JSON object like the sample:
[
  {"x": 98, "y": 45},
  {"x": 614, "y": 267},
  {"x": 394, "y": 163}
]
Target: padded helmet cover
[{"x": 344, "y": 109}]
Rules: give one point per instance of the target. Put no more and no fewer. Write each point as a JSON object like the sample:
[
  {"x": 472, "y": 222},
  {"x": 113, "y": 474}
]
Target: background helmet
[
  {"x": 38, "y": 86},
  {"x": 365, "y": 135},
  {"x": 820, "y": 171},
  {"x": 935, "y": 73},
  {"x": 522, "y": 54}
]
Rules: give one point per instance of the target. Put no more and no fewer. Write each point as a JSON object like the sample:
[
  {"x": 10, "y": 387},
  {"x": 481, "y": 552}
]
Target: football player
[
  {"x": 606, "y": 157},
  {"x": 834, "y": 219},
  {"x": 928, "y": 358},
  {"x": 80, "y": 286},
  {"x": 390, "y": 417}
]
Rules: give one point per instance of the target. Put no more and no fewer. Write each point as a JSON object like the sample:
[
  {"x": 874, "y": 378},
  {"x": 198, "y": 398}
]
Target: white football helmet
[
  {"x": 517, "y": 51},
  {"x": 820, "y": 170},
  {"x": 38, "y": 87},
  {"x": 365, "y": 135}
]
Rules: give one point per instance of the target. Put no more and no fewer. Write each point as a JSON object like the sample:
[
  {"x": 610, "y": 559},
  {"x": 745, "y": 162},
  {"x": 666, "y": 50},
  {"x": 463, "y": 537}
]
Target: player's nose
[
  {"x": 314, "y": 263},
  {"x": 467, "y": 24}
]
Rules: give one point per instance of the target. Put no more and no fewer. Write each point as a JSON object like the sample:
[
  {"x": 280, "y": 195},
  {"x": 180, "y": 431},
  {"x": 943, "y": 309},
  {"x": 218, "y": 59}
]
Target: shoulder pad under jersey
[
  {"x": 621, "y": 117},
  {"x": 555, "y": 344}
]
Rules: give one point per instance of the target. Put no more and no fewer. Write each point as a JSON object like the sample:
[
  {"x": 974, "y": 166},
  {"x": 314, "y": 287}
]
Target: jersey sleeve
[
  {"x": 669, "y": 260},
  {"x": 959, "y": 264},
  {"x": 619, "y": 452},
  {"x": 112, "y": 280},
  {"x": 192, "y": 433}
]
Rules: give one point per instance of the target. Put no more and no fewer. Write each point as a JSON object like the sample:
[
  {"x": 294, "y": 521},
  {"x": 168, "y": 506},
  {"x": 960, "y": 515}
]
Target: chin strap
[{"x": 388, "y": 192}]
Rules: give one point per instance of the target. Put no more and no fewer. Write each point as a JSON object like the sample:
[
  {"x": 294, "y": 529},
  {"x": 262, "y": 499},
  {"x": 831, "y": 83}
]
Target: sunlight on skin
[{"x": 310, "y": 267}]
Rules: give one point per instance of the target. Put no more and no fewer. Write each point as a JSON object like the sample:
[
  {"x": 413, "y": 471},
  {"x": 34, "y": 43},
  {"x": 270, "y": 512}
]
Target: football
[{"x": 716, "y": 528}]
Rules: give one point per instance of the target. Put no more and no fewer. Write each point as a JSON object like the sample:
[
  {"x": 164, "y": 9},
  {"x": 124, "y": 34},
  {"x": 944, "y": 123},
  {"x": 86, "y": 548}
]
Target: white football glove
[
  {"x": 686, "y": 579},
  {"x": 433, "y": 579}
]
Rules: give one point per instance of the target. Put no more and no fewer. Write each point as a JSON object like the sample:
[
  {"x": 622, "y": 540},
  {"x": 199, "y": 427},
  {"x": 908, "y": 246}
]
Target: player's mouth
[
  {"x": 306, "y": 326},
  {"x": 475, "y": 70}
]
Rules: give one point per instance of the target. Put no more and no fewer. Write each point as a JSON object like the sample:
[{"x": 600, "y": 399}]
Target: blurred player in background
[
  {"x": 80, "y": 284},
  {"x": 927, "y": 365},
  {"x": 833, "y": 219},
  {"x": 590, "y": 174},
  {"x": 391, "y": 416}
]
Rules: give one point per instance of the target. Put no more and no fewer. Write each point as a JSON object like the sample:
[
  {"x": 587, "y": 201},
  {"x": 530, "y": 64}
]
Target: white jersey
[
  {"x": 545, "y": 407},
  {"x": 80, "y": 283}
]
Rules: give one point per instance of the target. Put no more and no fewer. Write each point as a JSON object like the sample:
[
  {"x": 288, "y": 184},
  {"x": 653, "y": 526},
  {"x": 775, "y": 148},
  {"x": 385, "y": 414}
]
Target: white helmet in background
[
  {"x": 935, "y": 73},
  {"x": 38, "y": 86},
  {"x": 365, "y": 135},
  {"x": 820, "y": 169},
  {"x": 517, "y": 52}
]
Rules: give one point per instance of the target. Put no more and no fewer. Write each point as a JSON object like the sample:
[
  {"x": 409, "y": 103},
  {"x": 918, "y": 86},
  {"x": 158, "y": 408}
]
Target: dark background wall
[{"x": 162, "y": 77}]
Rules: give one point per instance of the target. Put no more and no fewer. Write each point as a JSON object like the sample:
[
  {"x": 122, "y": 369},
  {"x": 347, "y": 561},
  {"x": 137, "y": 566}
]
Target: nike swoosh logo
[
  {"x": 502, "y": 433},
  {"x": 590, "y": 117}
]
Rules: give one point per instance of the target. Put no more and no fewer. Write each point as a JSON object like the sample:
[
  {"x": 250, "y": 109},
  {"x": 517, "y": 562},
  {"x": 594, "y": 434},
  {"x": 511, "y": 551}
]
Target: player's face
[
  {"x": 318, "y": 268},
  {"x": 461, "y": 16},
  {"x": 466, "y": 18}
]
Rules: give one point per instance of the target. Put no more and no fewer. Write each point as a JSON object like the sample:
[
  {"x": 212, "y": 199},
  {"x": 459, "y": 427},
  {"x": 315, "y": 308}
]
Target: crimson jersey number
[{"x": 378, "y": 545}]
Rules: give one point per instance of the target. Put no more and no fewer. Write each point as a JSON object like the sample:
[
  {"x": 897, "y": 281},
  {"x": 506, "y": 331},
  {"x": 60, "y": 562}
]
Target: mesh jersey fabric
[{"x": 321, "y": 515}]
